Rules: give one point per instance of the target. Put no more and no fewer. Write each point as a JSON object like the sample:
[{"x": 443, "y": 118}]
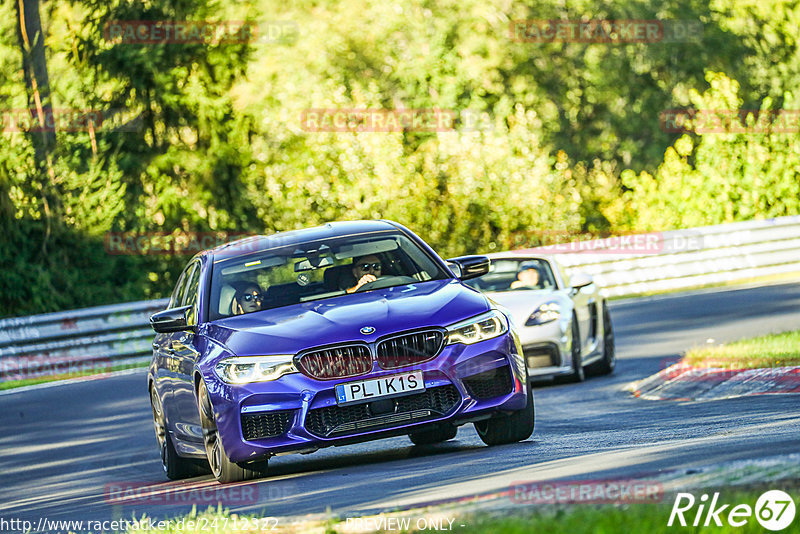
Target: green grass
[
  {"x": 524, "y": 519},
  {"x": 650, "y": 519},
  {"x": 773, "y": 350},
  {"x": 11, "y": 384},
  {"x": 633, "y": 518}
]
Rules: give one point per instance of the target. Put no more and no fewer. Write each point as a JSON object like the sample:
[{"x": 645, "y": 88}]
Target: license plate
[{"x": 376, "y": 388}]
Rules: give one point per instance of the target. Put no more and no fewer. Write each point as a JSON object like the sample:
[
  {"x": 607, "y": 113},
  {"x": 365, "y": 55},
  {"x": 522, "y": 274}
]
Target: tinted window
[
  {"x": 190, "y": 295},
  {"x": 505, "y": 273},
  {"x": 316, "y": 270},
  {"x": 177, "y": 294}
]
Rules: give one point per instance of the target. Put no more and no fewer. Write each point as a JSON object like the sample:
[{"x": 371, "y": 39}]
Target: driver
[
  {"x": 365, "y": 269},
  {"x": 248, "y": 298},
  {"x": 528, "y": 276}
]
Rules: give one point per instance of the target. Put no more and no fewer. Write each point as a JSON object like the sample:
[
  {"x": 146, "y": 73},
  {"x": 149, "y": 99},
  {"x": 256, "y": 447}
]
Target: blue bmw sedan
[{"x": 347, "y": 332}]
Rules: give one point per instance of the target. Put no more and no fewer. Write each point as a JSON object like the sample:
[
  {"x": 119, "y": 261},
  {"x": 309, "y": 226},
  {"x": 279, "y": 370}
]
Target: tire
[
  {"x": 175, "y": 467},
  {"x": 222, "y": 468},
  {"x": 577, "y": 374},
  {"x": 504, "y": 429},
  {"x": 433, "y": 435},
  {"x": 606, "y": 365}
]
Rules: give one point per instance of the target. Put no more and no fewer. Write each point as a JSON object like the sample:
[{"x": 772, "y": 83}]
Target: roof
[
  {"x": 292, "y": 237},
  {"x": 520, "y": 255}
]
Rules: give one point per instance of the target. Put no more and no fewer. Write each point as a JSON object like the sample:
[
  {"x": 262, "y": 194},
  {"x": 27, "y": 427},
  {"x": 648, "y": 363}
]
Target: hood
[
  {"x": 521, "y": 304},
  {"x": 291, "y": 329}
]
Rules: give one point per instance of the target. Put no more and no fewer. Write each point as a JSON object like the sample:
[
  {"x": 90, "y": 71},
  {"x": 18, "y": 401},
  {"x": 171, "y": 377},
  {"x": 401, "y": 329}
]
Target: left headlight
[
  {"x": 246, "y": 369},
  {"x": 545, "y": 313},
  {"x": 480, "y": 328}
]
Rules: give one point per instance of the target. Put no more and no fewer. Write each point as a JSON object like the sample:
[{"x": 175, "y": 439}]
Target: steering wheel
[
  {"x": 387, "y": 281},
  {"x": 370, "y": 285}
]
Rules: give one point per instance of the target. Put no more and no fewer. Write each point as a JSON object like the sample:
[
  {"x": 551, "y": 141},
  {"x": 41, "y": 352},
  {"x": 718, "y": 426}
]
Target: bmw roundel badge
[{"x": 367, "y": 330}]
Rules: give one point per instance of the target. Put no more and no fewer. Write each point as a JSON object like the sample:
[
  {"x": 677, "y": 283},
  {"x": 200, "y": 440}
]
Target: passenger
[
  {"x": 527, "y": 277},
  {"x": 248, "y": 298},
  {"x": 365, "y": 269}
]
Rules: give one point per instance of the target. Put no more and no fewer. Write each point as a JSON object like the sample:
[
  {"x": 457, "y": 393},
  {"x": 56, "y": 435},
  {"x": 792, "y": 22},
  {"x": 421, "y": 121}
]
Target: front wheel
[
  {"x": 222, "y": 468},
  {"x": 503, "y": 429},
  {"x": 175, "y": 467},
  {"x": 577, "y": 374},
  {"x": 606, "y": 365}
]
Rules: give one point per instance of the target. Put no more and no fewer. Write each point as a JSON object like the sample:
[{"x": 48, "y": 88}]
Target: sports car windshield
[
  {"x": 314, "y": 270},
  {"x": 511, "y": 275}
]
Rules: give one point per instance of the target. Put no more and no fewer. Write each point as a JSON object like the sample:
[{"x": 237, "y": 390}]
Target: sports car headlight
[
  {"x": 480, "y": 328},
  {"x": 545, "y": 313},
  {"x": 246, "y": 369}
]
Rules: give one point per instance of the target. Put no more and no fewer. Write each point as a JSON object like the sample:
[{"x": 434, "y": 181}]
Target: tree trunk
[{"x": 43, "y": 136}]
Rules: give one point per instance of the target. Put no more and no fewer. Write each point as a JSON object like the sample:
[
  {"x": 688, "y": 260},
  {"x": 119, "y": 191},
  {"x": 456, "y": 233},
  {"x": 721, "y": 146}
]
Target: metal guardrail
[
  {"x": 70, "y": 342},
  {"x": 688, "y": 258},
  {"x": 109, "y": 336}
]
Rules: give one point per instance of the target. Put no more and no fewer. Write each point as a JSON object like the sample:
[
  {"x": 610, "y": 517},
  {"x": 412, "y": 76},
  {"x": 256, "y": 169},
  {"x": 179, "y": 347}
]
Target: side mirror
[
  {"x": 581, "y": 280},
  {"x": 456, "y": 268},
  {"x": 172, "y": 320},
  {"x": 471, "y": 266}
]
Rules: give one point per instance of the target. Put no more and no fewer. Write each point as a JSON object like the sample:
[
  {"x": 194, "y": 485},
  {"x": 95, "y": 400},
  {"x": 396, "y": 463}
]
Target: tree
[{"x": 31, "y": 39}]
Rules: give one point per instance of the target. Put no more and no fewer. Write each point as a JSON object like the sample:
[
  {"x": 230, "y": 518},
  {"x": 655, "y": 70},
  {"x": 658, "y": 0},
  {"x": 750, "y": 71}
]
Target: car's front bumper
[
  {"x": 546, "y": 348},
  {"x": 299, "y": 414}
]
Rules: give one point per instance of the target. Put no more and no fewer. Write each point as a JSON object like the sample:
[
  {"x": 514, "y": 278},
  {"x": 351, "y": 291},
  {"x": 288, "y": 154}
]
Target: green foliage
[
  {"x": 180, "y": 168},
  {"x": 567, "y": 138},
  {"x": 610, "y": 518},
  {"x": 772, "y": 350},
  {"x": 462, "y": 191},
  {"x": 185, "y": 161},
  {"x": 719, "y": 177}
]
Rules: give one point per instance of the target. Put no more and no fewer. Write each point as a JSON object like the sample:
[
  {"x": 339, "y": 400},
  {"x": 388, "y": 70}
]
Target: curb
[{"x": 684, "y": 382}]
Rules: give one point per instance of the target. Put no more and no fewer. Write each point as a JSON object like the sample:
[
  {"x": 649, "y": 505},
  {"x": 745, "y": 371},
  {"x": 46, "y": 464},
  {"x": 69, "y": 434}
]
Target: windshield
[
  {"x": 315, "y": 270},
  {"x": 522, "y": 274}
]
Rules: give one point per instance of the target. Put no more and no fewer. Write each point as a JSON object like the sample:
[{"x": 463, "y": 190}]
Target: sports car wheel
[
  {"x": 502, "y": 429},
  {"x": 434, "y": 435},
  {"x": 174, "y": 466},
  {"x": 606, "y": 365},
  {"x": 577, "y": 374},
  {"x": 221, "y": 467}
]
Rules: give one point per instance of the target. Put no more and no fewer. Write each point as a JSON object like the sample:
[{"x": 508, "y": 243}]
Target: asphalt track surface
[{"x": 64, "y": 448}]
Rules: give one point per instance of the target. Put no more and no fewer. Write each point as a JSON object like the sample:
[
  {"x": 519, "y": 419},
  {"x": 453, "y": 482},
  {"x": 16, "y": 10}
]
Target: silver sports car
[{"x": 563, "y": 322}]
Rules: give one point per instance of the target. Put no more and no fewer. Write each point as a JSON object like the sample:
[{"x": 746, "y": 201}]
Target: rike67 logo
[{"x": 774, "y": 510}]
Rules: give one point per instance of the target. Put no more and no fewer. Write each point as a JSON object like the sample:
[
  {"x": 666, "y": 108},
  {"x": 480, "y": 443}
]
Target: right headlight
[
  {"x": 545, "y": 313},
  {"x": 246, "y": 369},
  {"x": 485, "y": 326}
]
